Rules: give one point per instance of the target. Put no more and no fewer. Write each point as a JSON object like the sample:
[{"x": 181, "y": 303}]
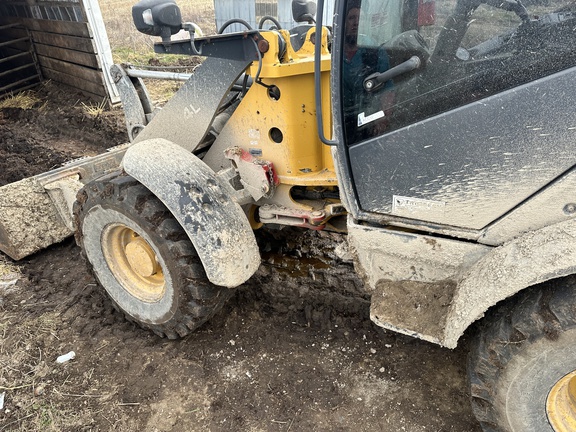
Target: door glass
[{"x": 447, "y": 53}]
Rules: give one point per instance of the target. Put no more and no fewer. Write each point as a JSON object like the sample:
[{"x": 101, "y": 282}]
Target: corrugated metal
[
  {"x": 229, "y": 9},
  {"x": 252, "y": 12}
]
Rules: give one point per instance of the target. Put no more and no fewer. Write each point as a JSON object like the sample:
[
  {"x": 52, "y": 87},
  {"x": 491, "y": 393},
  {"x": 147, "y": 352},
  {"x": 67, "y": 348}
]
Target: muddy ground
[{"x": 293, "y": 351}]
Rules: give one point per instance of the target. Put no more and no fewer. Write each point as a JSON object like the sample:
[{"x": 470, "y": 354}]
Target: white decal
[
  {"x": 364, "y": 120},
  {"x": 189, "y": 111},
  {"x": 413, "y": 205}
]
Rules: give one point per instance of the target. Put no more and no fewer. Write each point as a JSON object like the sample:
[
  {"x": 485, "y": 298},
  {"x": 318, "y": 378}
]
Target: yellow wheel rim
[
  {"x": 134, "y": 263},
  {"x": 561, "y": 404}
]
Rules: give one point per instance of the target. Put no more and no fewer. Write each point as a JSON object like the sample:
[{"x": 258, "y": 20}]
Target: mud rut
[{"x": 294, "y": 349}]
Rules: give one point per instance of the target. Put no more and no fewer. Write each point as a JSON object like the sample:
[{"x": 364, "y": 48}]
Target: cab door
[{"x": 480, "y": 120}]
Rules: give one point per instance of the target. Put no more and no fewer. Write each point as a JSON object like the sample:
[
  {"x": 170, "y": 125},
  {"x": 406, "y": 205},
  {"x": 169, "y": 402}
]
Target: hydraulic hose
[{"x": 234, "y": 21}]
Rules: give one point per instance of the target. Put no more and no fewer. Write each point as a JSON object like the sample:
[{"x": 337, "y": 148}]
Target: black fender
[{"x": 215, "y": 223}]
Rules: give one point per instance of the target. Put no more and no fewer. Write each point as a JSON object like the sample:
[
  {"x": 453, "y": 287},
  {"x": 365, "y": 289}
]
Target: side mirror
[
  {"x": 303, "y": 11},
  {"x": 157, "y": 18}
]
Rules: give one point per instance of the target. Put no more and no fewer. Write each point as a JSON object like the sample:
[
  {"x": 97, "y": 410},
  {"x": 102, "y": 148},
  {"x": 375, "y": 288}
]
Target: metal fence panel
[{"x": 229, "y": 9}]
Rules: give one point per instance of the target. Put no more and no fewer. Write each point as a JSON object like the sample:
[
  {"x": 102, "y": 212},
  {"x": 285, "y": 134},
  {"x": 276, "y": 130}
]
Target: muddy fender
[
  {"x": 214, "y": 222},
  {"x": 535, "y": 257}
]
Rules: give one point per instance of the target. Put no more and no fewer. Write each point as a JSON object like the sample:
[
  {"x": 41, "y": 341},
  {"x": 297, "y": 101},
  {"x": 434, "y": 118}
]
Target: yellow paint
[
  {"x": 133, "y": 263},
  {"x": 561, "y": 404},
  {"x": 299, "y": 157}
]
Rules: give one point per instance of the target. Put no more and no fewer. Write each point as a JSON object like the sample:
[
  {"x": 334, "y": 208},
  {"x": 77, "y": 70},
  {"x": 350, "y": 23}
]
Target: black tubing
[
  {"x": 234, "y": 21},
  {"x": 269, "y": 18}
]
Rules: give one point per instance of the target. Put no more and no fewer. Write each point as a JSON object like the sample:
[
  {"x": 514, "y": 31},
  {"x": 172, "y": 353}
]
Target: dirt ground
[{"x": 293, "y": 351}]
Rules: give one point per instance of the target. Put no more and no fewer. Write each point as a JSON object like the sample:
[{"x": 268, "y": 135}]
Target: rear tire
[
  {"x": 518, "y": 361},
  {"x": 143, "y": 258}
]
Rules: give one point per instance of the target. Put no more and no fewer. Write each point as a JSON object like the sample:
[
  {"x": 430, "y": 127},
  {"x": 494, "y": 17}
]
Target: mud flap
[
  {"x": 413, "y": 277},
  {"x": 216, "y": 225}
]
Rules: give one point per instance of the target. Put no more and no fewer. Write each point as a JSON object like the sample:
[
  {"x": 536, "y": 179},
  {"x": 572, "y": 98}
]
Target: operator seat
[{"x": 302, "y": 11}]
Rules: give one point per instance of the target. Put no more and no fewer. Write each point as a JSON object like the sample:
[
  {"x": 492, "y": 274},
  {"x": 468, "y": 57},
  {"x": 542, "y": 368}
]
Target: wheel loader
[{"x": 437, "y": 135}]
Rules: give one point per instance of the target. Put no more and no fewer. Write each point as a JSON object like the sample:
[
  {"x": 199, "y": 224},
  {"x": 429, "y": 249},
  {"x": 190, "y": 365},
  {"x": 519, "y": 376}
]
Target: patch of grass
[
  {"x": 44, "y": 417},
  {"x": 125, "y": 54},
  {"x": 95, "y": 110},
  {"x": 132, "y": 47},
  {"x": 162, "y": 90},
  {"x": 24, "y": 100}
]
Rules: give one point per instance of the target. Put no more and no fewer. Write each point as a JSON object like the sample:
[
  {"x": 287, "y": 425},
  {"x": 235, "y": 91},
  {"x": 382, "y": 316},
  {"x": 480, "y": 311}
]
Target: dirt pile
[{"x": 58, "y": 127}]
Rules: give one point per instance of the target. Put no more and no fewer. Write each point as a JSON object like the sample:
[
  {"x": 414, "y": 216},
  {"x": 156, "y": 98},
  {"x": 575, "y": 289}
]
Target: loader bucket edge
[
  {"x": 28, "y": 219},
  {"x": 36, "y": 212}
]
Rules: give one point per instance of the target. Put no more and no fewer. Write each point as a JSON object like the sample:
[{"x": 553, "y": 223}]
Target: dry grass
[
  {"x": 24, "y": 100},
  {"x": 129, "y": 45},
  {"x": 95, "y": 110},
  {"x": 23, "y": 370}
]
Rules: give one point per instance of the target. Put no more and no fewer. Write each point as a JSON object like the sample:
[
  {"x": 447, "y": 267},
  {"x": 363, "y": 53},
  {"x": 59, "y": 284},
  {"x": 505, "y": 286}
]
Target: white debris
[
  {"x": 2, "y": 400},
  {"x": 66, "y": 357},
  {"x": 343, "y": 252},
  {"x": 7, "y": 279}
]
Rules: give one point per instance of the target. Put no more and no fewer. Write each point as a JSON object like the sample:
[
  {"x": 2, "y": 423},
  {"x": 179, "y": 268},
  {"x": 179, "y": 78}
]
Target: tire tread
[
  {"x": 540, "y": 312},
  {"x": 203, "y": 298}
]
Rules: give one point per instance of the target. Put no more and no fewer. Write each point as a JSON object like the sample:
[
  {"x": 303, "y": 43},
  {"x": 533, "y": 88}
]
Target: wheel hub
[
  {"x": 133, "y": 262},
  {"x": 141, "y": 257},
  {"x": 561, "y": 404}
]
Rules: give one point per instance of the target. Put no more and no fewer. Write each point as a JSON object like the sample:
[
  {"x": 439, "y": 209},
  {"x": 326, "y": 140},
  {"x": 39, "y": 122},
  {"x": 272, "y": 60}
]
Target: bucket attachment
[{"x": 36, "y": 212}]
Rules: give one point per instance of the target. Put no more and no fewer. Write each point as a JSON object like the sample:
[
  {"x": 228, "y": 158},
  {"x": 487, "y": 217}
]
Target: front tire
[
  {"x": 143, "y": 258},
  {"x": 522, "y": 365}
]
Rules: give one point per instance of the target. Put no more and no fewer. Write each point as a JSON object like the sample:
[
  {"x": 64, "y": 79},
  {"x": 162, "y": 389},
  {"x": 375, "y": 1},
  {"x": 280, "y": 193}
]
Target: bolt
[
  {"x": 570, "y": 208},
  {"x": 263, "y": 46},
  {"x": 264, "y": 188}
]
